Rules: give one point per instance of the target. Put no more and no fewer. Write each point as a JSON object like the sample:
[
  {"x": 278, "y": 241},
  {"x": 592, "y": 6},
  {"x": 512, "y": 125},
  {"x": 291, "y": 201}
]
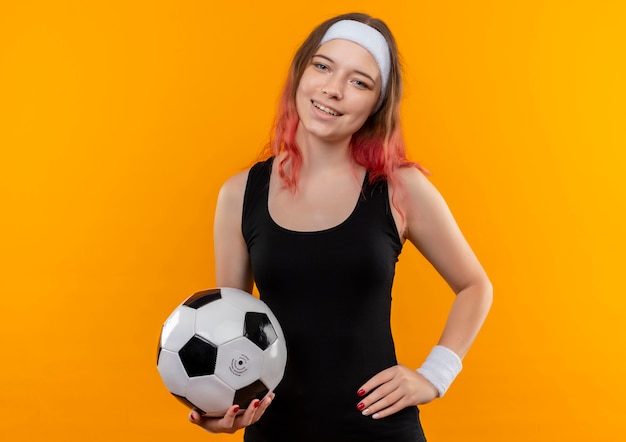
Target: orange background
[{"x": 119, "y": 120}]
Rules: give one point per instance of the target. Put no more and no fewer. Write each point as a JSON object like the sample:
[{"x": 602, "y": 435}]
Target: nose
[{"x": 333, "y": 88}]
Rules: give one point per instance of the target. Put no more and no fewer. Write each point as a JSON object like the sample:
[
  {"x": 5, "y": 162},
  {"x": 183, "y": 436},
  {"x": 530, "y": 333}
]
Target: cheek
[
  {"x": 358, "y": 123},
  {"x": 363, "y": 111},
  {"x": 307, "y": 84},
  {"x": 301, "y": 100}
]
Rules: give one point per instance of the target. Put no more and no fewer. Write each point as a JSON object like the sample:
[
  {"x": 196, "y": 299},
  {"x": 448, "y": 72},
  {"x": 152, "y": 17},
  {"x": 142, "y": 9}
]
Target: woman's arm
[
  {"x": 430, "y": 226},
  {"x": 232, "y": 269},
  {"x": 232, "y": 262}
]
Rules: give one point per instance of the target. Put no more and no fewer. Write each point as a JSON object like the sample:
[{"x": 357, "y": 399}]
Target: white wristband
[{"x": 441, "y": 367}]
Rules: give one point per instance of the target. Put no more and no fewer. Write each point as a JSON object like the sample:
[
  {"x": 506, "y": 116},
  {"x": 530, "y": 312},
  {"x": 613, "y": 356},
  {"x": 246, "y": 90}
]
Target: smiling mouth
[{"x": 325, "y": 109}]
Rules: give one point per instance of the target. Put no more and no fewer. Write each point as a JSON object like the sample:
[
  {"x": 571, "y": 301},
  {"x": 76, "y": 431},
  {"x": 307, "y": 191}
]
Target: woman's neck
[{"x": 318, "y": 153}]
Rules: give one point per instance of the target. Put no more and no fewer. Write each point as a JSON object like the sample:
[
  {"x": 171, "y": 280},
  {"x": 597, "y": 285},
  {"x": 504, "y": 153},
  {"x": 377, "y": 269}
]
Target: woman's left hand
[{"x": 394, "y": 389}]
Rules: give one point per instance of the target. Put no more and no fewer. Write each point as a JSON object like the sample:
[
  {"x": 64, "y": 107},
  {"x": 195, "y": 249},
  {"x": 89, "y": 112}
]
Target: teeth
[{"x": 325, "y": 109}]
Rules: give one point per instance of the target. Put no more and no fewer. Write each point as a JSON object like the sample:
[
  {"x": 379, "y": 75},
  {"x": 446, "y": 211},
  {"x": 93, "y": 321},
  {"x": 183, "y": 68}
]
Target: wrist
[{"x": 440, "y": 368}]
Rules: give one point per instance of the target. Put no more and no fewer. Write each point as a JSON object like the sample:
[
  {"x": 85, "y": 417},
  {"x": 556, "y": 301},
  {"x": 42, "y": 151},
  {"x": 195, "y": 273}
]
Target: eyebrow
[{"x": 356, "y": 71}]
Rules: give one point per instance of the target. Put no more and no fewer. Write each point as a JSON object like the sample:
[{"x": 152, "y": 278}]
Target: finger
[
  {"x": 377, "y": 394},
  {"x": 263, "y": 406},
  {"x": 247, "y": 418},
  {"x": 383, "y": 403},
  {"x": 194, "y": 416},
  {"x": 214, "y": 424},
  {"x": 265, "y": 402},
  {"x": 388, "y": 411},
  {"x": 228, "y": 421},
  {"x": 375, "y": 381}
]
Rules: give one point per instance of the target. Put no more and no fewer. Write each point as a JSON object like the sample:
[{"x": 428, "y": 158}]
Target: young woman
[{"x": 319, "y": 225}]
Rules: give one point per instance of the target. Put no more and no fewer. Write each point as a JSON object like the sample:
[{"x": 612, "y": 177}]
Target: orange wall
[{"x": 119, "y": 121}]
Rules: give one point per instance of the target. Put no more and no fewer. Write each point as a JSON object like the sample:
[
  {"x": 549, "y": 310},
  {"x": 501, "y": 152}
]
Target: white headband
[{"x": 370, "y": 39}]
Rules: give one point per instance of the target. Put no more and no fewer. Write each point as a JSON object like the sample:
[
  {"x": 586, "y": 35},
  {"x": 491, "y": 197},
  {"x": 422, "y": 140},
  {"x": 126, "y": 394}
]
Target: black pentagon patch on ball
[
  {"x": 198, "y": 357},
  {"x": 186, "y": 402},
  {"x": 259, "y": 329},
  {"x": 159, "y": 346},
  {"x": 202, "y": 298},
  {"x": 245, "y": 395}
]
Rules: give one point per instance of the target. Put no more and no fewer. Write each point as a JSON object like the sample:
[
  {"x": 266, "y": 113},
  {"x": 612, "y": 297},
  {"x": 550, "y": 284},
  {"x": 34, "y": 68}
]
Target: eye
[
  {"x": 361, "y": 84},
  {"x": 320, "y": 66}
]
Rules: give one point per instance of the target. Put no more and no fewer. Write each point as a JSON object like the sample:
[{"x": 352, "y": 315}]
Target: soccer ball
[{"x": 221, "y": 347}]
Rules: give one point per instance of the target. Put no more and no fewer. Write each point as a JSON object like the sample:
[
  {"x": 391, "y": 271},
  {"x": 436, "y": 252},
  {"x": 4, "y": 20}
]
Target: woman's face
[{"x": 337, "y": 92}]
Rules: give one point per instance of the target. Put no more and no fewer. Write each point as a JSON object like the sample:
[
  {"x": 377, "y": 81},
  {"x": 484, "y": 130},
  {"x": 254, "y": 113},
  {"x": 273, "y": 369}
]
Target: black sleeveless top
[{"x": 331, "y": 292}]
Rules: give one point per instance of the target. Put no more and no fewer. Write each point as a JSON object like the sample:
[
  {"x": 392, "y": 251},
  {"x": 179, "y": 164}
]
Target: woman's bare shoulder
[
  {"x": 415, "y": 182},
  {"x": 234, "y": 187}
]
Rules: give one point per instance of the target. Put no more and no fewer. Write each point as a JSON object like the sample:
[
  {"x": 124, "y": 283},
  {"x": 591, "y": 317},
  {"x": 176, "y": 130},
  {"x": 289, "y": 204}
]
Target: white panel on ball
[
  {"x": 239, "y": 363},
  {"x": 210, "y": 394},
  {"x": 274, "y": 360},
  {"x": 178, "y": 328},
  {"x": 219, "y": 322},
  {"x": 172, "y": 372},
  {"x": 243, "y": 300}
]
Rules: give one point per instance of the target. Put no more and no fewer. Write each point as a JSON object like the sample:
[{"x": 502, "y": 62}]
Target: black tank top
[{"x": 331, "y": 292}]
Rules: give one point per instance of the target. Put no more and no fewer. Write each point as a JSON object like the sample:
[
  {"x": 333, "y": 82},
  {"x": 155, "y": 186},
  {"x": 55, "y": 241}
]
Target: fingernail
[
  {"x": 375, "y": 416},
  {"x": 236, "y": 408},
  {"x": 366, "y": 412},
  {"x": 257, "y": 403},
  {"x": 361, "y": 392},
  {"x": 360, "y": 406}
]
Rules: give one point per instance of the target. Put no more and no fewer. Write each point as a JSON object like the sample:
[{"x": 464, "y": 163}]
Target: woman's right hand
[{"x": 232, "y": 421}]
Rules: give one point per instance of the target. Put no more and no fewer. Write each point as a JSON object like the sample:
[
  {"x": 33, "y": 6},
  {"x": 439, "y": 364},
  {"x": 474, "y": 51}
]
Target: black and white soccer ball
[{"x": 221, "y": 347}]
